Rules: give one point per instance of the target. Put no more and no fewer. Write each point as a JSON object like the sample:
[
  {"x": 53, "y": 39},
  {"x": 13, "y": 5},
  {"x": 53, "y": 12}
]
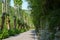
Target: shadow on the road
[{"x": 34, "y": 36}]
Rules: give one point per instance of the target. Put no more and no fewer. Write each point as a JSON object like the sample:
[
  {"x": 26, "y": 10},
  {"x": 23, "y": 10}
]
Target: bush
[
  {"x": 4, "y": 34},
  {"x": 11, "y": 32},
  {"x": 17, "y": 31}
]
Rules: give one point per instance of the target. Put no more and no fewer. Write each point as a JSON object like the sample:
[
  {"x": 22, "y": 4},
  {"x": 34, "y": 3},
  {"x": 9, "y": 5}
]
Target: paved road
[{"x": 29, "y": 35}]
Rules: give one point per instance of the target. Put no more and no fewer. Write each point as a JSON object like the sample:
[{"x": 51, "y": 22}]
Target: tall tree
[
  {"x": 44, "y": 13},
  {"x": 4, "y": 7},
  {"x": 17, "y": 3},
  {"x": 7, "y": 16}
]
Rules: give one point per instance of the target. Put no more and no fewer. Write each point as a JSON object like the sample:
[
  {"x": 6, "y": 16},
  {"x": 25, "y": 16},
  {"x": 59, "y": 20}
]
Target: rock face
[
  {"x": 57, "y": 36},
  {"x": 44, "y": 35}
]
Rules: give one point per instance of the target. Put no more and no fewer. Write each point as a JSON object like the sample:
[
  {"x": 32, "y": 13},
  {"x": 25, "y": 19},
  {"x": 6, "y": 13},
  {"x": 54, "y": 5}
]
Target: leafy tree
[
  {"x": 44, "y": 11},
  {"x": 18, "y": 4}
]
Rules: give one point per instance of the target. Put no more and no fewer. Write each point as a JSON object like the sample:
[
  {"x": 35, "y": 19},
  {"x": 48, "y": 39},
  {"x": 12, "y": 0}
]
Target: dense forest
[
  {"x": 13, "y": 20},
  {"x": 43, "y": 15},
  {"x": 46, "y": 18}
]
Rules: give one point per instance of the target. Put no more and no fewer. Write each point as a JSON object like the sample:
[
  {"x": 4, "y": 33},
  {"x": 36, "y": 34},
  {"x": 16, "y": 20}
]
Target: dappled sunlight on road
[{"x": 29, "y": 35}]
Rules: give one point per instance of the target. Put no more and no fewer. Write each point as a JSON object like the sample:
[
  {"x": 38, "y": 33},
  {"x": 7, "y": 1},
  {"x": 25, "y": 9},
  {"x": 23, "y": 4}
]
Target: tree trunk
[
  {"x": 3, "y": 20},
  {"x": 8, "y": 22},
  {"x": 4, "y": 13},
  {"x": 7, "y": 16},
  {"x": 14, "y": 22}
]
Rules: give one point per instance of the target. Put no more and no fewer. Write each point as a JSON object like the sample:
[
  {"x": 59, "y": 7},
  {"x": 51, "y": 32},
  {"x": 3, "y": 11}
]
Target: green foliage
[
  {"x": 18, "y": 2},
  {"x": 45, "y": 11},
  {"x": 4, "y": 33},
  {"x": 11, "y": 32},
  {"x": 19, "y": 21}
]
